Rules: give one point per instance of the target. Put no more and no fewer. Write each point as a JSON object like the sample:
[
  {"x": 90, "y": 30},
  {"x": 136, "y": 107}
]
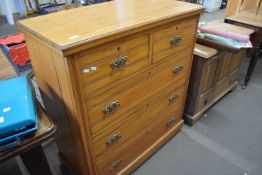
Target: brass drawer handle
[
  {"x": 175, "y": 41},
  {"x": 113, "y": 139},
  {"x": 178, "y": 69},
  {"x": 171, "y": 121},
  {"x": 174, "y": 98},
  {"x": 115, "y": 164},
  {"x": 119, "y": 63},
  {"x": 111, "y": 107}
]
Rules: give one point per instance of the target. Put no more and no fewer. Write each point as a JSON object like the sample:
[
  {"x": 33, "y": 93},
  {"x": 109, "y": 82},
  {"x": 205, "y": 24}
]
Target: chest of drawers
[{"x": 114, "y": 78}]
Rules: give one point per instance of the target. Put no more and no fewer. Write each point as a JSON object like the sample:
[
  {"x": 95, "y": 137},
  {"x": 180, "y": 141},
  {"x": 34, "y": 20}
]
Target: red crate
[
  {"x": 12, "y": 39},
  {"x": 16, "y": 48},
  {"x": 19, "y": 54}
]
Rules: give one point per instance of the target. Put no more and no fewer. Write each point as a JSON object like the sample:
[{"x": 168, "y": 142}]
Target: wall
[{"x": 12, "y": 4}]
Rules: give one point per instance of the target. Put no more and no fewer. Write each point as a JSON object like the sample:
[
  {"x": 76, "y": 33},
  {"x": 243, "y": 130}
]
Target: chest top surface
[{"x": 71, "y": 28}]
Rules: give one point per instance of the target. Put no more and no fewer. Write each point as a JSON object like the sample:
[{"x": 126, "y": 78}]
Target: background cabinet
[{"x": 213, "y": 75}]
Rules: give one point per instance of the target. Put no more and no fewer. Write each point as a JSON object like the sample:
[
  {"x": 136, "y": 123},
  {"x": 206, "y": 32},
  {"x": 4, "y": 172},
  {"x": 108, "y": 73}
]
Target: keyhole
[
  {"x": 118, "y": 48},
  {"x": 205, "y": 102}
]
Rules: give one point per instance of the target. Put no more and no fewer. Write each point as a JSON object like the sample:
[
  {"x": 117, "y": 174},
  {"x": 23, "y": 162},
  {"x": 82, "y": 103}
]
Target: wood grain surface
[
  {"x": 6, "y": 69},
  {"x": 82, "y": 25}
]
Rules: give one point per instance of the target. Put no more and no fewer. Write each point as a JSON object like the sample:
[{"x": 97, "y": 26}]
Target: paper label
[
  {"x": 7, "y": 109},
  {"x": 2, "y": 119},
  {"x": 93, "y": 68}
]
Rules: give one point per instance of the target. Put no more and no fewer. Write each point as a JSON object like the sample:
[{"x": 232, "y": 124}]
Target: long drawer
[
  {"x": 161, "y": 115},
  {"x": 113, "y": 62},
  {"x": 113, "y": 105},
  {"x": 115, "y": 138},
  {"x": 173, "y": 39}
]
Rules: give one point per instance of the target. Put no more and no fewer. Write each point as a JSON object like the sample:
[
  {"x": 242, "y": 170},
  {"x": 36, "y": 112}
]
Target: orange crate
[{"x": 19, "y": 54}]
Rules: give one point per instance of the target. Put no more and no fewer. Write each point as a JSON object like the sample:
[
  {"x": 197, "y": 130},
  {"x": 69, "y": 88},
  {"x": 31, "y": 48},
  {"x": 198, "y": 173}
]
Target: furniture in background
[
  {"x": 30, "y": 150},
  {"x": 6, "y": 69},
  {"x": 214, "y": 73},
  {"x": 252, "y": 19},
  {"x": 116, "y": 84},
  {"x": 237, "y": 6}
]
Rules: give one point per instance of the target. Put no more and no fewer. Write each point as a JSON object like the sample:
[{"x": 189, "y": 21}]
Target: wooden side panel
[
  {"x": 194, "y": 84},
  {"x": 52, "y": 78}
]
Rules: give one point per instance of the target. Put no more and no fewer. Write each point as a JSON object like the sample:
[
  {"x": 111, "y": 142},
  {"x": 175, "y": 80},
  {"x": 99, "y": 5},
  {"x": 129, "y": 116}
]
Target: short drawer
[
  {"x": 172, "y": 39},
  {"x": 111, "y": 106},
  {"x": 163, "y": 128},
  {"x": 114, "y": 61},
  {"x": 205, "y": 100},
  {"x": 116, "y": 137}
]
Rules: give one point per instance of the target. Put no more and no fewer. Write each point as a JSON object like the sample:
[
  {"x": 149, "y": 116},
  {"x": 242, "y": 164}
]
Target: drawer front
[
  {"x": 116, "y": 137},
  {"x": 205, "y": 100},
  {"x": 113, "y": 61},
  {"x": 173, "y": 39},
  {"x": 168, "y": 123},
  {"x": 221, "y": 86},
  {"x": 226, "y": 83},
  {"x": 135, "y": 91}
]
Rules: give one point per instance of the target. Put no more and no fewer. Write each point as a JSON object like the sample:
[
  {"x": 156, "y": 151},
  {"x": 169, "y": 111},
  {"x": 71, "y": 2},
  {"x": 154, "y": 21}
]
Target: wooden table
[
  {"x": 251, "y": 19},
  {"x": 6, "y": 70},
  {"x": 31, "y": 151}
]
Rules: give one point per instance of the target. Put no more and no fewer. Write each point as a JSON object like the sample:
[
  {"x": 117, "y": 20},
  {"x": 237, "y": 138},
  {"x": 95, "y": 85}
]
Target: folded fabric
[
  {"x": 225, "y": 41},
  {"x": 226, "y": 34}
]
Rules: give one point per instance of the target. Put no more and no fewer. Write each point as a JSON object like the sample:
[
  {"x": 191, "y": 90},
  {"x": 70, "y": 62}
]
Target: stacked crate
[{"x": 15, "y": 49}]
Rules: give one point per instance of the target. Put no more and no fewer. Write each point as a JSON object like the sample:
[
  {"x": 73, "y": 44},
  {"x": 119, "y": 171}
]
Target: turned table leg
[
  {"x": 36, "y": 162},
  {"x": 252, "y": 65}
]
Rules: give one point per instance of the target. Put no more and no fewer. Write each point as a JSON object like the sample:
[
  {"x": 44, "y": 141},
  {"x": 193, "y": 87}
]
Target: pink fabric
[{"x": 235, "y": 36}]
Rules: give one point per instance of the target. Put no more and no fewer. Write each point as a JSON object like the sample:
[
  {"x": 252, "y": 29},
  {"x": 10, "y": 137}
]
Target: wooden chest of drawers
[{"x": 114, "y": 77}]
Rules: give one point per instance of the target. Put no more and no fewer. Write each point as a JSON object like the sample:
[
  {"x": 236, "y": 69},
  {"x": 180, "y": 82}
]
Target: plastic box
[
  {"x": 212, "y": 5},
  {"x": 18, "y": 115}
]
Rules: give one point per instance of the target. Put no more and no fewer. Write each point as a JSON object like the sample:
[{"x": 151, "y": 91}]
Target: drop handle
[
  {"x": 115, "y": 165},
  {"x": 111, "y": 107},
  {"x": 176, "y": 40},
  {"x": 113, "y": 139},
  {"x": 178, "y": 69},
  {"x": 119, "y": 63}
]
